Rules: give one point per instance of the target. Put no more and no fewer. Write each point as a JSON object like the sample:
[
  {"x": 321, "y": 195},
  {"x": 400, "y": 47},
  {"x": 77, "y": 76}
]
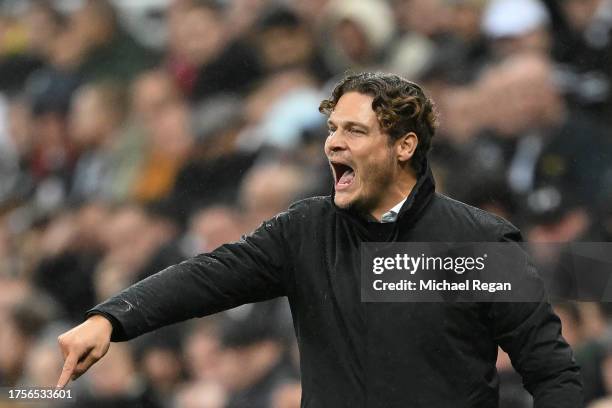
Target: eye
[
  {"x": 357, "y": 130},
  {"x": 331, "y": 130}
]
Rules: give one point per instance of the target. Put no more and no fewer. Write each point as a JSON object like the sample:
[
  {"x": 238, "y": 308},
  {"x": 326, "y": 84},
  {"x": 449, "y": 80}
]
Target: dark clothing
[
  {"x": 235, "y": 71},
  {"x": 574, "y": 155},
  {"x": 586, "y": 59},
  {"x": 135, "y": 398},
  {"x": 121, "y": 60},
  {"x": 259, "y": 395},
  {"x": 68, "y": 278},
  {"x": 357, "y": 354},
  {"x": 580, "y": 164},
  {"x": 203, "y": 183},
  {"x": 50, "y": 90},
  {"x": 15, "y": 70},
  {"x": 167, "y": 254}
]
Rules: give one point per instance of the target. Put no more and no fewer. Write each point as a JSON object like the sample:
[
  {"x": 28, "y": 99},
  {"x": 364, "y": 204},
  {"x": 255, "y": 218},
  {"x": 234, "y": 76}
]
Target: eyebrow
[{"x": 348, "y": 123}]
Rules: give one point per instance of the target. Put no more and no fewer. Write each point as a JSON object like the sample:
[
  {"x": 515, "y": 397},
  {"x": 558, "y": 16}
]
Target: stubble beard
[{"x": 372, "y": 188}]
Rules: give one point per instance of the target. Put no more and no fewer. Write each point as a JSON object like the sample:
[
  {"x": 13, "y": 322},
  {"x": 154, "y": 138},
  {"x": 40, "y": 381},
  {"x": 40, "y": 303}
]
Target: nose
[{"x": 335, "y": 142}]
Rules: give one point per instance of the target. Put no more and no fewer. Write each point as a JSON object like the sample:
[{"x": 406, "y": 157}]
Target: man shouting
[{"x": 354, "y": 353}]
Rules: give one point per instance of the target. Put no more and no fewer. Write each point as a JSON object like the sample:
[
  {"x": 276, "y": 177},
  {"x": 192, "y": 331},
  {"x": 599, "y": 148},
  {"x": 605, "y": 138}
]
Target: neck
[{"x": 399, "y": 189}]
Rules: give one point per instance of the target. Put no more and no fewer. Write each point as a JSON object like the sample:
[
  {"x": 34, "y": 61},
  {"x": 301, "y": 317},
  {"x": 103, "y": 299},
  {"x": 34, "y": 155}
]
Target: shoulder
[
  {"x": 303, "y": 212},
  {"x": 310, "y": 206},
  {"x": 468, "y": 219}
]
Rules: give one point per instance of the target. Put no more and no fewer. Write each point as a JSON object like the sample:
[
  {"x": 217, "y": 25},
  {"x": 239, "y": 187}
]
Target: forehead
[{"x": 354, "y": 107}]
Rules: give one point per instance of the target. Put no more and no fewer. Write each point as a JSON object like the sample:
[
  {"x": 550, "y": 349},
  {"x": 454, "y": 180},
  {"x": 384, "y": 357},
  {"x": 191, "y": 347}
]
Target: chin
[
  {"x": 343, "y": 202},
  {"x": 346, "y": 201}
]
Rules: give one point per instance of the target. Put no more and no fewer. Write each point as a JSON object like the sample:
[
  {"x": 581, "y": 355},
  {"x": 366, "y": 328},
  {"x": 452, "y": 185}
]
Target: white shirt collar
[{"x": 391, "y": 215}]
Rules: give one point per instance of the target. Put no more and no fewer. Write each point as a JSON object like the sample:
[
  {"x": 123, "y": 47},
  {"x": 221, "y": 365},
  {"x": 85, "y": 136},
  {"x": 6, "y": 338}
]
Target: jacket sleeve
[
  {"x": 250, "y": 270},
  {"x": 530, "y": 332}
]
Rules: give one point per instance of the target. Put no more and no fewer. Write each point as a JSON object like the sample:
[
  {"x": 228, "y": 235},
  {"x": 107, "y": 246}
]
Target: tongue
[{"x": 347, "y": 177}]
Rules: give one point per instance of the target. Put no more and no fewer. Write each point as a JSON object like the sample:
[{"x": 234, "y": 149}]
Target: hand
[{"x": 83, "y": 346}]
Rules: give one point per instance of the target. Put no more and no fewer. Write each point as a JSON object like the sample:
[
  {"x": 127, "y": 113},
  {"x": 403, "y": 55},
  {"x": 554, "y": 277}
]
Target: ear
[{"x": 405, "y": 146}]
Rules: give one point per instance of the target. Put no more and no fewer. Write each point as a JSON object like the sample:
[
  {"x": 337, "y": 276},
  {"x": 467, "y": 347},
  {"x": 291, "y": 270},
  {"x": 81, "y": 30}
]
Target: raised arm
[{"x": 250, "y": 270}]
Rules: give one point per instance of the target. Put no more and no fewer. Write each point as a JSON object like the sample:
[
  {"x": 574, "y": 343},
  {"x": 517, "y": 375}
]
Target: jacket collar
[{"x": 419, "y": 196}]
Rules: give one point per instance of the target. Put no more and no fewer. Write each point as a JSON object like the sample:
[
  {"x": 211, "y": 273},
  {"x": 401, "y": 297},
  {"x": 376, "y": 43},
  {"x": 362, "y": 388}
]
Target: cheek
[
  {"x": 375, "y": 175},
  {"x": 377, "y": 165},
  {"x": 326, "y": 146}
]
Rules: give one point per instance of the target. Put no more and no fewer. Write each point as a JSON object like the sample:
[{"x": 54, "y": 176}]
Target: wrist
[{"x": 102, "y": 321}]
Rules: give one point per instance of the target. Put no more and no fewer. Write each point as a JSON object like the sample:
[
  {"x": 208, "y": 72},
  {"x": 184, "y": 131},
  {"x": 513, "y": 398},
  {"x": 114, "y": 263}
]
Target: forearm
[
  {"x": 164, "y": 298},
  {"x": 561, "y": 390},
  {"x": 530, "y": 332},
  {"x": 549, "y": 370},
  {"x": 541, "y": 355},
  {"x": 247, "y": 271}
]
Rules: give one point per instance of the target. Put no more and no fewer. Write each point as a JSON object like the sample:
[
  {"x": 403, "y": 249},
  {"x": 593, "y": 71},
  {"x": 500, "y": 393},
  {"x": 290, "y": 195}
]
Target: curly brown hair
[{"x": 401, "y": 107}]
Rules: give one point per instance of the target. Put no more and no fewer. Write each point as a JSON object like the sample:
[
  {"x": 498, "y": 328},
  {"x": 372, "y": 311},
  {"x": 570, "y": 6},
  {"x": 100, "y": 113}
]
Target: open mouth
[{"x": 344, "y": 175}]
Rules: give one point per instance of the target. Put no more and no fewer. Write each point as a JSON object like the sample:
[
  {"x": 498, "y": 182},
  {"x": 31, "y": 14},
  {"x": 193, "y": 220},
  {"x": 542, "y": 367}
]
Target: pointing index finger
[{"x": 67, "y": 370}]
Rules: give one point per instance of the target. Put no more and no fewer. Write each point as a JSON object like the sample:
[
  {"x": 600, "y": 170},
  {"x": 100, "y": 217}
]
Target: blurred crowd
[{"x": 135, "y": 134}]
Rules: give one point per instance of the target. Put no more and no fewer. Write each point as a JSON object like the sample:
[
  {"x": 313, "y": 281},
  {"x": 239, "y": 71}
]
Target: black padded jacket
[{"x": 360, "y": 354}]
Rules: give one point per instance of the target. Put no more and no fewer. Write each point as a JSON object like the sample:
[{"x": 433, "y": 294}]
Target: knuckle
[{"x": 66, "y": 342}]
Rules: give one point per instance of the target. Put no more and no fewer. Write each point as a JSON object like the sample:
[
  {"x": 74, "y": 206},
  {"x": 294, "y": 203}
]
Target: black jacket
[{"x": 354, "y": 354}]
